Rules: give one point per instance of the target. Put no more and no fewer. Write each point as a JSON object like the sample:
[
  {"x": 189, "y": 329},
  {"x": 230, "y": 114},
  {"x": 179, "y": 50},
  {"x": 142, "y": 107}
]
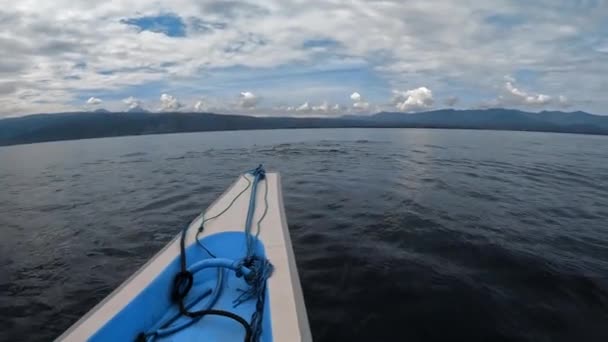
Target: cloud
[
  {"x": 413, "y": 100},
  {"x": 451, "y": 101},
  {"x": 509, "y": 78},
  {"x": 323, "y": 107},
  {"x": 248, "y": 100},
  {"x": 524, "y": 98},
  {"x": 94, "y": 101},
  {"x": 513, "y": 96},
  {"x": 210, "y": 105},
  {"x": 518, "y": 97},
  {"x": 67, "y": 48},
  {"x": 8, "y": 87},
  {"x": 361, "y": 106},
  {"x": 200, "y": 106},
  {"x": 169, "y": 103},
  {"x": 305, "y": 107},
  {"x": 133, "y": 104},
  {"x": 358, "y": 103}
]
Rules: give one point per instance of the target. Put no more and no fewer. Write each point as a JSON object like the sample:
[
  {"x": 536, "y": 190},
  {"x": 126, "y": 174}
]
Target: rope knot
[
  {"x": 259, "y": 171},
  {"x": 182, "y": 283}
]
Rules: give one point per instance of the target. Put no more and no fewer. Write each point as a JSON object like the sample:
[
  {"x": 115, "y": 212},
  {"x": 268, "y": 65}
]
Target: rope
[
  {"x": 261, "y": 268},
  {"x": 254, "y": 269},
  {"x": 202, "y": 227},
  {"x": 258, "y": 174}
]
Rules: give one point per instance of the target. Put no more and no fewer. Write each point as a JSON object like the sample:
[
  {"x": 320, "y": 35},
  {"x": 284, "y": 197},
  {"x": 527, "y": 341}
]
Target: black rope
[{"x": 183, "y": 283}]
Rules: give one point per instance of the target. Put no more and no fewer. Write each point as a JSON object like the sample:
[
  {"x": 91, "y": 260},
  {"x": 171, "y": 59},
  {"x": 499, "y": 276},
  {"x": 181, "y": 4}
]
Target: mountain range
[{"x": 101, "y": 123}]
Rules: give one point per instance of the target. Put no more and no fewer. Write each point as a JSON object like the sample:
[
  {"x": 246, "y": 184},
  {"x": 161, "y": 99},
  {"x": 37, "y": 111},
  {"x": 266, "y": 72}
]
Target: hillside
[{"x": 83, "y": 125}]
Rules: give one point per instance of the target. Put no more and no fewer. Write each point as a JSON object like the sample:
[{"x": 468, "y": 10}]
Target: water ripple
[{"x": 421, "y": 235}]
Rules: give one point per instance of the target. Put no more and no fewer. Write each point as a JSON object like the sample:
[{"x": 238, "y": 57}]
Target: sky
[{"x": 304, "y": 57}]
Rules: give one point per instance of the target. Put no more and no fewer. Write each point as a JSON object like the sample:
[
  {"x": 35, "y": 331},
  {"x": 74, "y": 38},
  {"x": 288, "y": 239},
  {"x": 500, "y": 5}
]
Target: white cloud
[
  {"x": 525, "y": 98},
  {"x": 248, "y": 100},
  {"x": 133, "y": 104},
  {"x": 359, "y": 104},
  {"x": 58, "y": 50},
  {"x": 413, "y": 100},
  {"x": 200, "y": 106},
  {"x": 323, "y": 107},
  {"x": 169, "y": 103},
  {"x": 305, "y": 107},
  {"x": 94, "y": 101},
  {"x": 513, "y": 96},
  {"x": 516, "y": 96},
  {"x": 210, "y": 105}
]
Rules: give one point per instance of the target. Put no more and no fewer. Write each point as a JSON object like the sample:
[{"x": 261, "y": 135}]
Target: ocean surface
[{"x": 399, "y": 234}]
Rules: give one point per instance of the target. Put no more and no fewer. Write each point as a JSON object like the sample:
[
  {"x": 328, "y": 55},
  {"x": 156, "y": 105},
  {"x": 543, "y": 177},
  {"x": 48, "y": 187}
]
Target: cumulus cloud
[
  {"x": 518, "y": 97},
  {"x": 210, "y": 105},
  {"x": 169, "y": 103},
  {"x": 359, "y": 104},
  {"x": 304, "y": 107},
  {"x": 248, "y": 100},
  {"x": 133, "y": 104},
  {"x": 323, "y": 107},
  {"x": 413, "y": 100},
  {"x": 522, "y": 97},
  {"x": 200, "y": 106},
  {"x": 512, "y": 95},
  {"x": 94, "y": 101}
]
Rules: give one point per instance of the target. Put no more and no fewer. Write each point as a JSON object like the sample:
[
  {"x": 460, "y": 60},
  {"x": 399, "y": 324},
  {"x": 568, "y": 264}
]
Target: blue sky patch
[{"x": 169, "y": 24}]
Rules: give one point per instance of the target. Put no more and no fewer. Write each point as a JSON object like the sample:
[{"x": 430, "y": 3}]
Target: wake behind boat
[{"x": 229, "y": 276}]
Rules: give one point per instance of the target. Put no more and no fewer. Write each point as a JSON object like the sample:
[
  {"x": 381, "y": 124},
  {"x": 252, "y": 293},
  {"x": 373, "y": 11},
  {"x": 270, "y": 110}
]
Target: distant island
[{"x": 84, "y": 125}]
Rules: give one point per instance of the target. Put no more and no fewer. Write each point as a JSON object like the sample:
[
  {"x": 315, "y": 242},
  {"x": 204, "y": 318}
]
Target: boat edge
[{"x": 302, "y": 315}]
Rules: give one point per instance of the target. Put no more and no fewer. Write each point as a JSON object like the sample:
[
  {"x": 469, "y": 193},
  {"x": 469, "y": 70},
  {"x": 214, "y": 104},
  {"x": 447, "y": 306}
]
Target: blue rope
[
  {"x": 258, "y": 174},
  {"x": 261, "y": 268},
  {"x": 255, "y": 270}
]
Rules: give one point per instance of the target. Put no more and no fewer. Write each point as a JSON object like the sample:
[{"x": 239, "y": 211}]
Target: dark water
[{"x": 418, "y": 235}]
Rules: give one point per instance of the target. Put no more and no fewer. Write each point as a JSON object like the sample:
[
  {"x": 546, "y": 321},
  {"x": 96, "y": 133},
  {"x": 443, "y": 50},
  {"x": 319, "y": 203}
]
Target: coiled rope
[{"x": 255, "y": 269}]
